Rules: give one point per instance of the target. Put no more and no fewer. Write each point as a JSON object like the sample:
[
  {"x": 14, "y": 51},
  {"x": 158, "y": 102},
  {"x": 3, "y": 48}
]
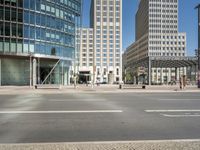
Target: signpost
[{"x": 198, "y": 51}]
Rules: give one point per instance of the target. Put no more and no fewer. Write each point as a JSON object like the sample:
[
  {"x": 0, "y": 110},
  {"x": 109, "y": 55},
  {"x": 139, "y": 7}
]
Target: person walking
[{"x": 180, "y": 82}]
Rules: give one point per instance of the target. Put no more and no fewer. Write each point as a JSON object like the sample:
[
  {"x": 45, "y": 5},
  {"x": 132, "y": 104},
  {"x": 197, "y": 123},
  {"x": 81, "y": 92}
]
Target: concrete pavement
[
  {"x": 9, "y": 90},
  {"x": 112, "y": 145},
  {"x": 56, "y": 117}
]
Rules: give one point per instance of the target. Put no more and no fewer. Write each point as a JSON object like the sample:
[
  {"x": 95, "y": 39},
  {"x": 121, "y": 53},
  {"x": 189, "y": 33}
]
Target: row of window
[
  {"x": 163, "y": 26},
  {"x": 163, "y": 21},
  {"x": 11, "y": 29},
  {"x": 98, "y": 19},
  {"x": 105, "y": 32},
  {"x": 167, "y": 54},
  {"x": 111, "y": 14},
  {"x": 49, "y": 22},
  {"x": 107, "y": 64},
  {"x": 167, "y": 5},
  {"x": 106, "y": 2},
  {"x": 11, "y": 14},
  {"x": 18, "y": 3},
  {"x": 154, "y": 10},
  {"x": 163, "y": 31},
  {"x": 168, "y": 43},
  {"x": 107, "y": 8},
  {"x": 30, "y": 32},
  {"x": 166, "y": 37},
  {"x": 26, "y": 46},
  {"x": 35, "y": 4},
  {"x": 163, "y": 16},
  {"x": 165, "y": 1}
]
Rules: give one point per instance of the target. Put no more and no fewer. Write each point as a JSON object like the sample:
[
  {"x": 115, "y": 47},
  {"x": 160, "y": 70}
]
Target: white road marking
[
  {"x": 179, "y": 99},
  {"x": 60, "y": 112},
  {"x": 178, "y": 116},
  {"x": 77, "y": 100},
  {"x": 181, "y": 110}
]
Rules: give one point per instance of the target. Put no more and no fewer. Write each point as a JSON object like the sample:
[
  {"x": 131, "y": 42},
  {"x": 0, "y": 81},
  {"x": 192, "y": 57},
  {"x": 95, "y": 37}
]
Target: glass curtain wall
[{"x": 42, "y": 27}]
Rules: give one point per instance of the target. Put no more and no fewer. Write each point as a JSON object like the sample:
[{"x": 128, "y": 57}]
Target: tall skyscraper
[
  {"x": 157, "y": 29},
  {"x": 85, "y": 56},
  {"x": 106, "y": 20},
  {"x": 157, "y": 34}
]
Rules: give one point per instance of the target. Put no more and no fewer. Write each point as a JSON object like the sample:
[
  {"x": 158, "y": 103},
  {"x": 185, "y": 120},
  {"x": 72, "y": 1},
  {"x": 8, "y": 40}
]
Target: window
[
  {"x": 7, "y": 29},
  {"x": 1, "y": 44},
  {"x": 14, "y": 31},
  {"x": 26, "y": 31},
  {"x": 32, "y": 18},
  {"x": 13, "y": 46},
  {"x": 26, "y": 4},
  {"x": 7, "y": 13},
  {"x": 20, "y": 30},
  {"x": 26, "y": 17},
  {"x": 7, "y": 45},
  {"x": 1, "y": 28}
]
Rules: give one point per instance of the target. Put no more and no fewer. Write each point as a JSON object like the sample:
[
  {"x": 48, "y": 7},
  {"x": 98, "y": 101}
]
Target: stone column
[{"x": 34, "y": 72}]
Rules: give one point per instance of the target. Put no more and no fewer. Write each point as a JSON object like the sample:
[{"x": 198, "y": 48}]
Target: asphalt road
[{"x": 79, "y": 117}]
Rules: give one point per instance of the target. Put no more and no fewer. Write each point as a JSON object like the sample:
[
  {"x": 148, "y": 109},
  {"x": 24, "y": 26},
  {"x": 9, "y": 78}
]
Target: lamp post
[{"x": 198, "y": 51}]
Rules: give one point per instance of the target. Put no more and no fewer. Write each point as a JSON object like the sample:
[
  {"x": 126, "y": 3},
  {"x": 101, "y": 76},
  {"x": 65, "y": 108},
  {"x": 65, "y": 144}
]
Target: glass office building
[{"x": 37, "y": 40}]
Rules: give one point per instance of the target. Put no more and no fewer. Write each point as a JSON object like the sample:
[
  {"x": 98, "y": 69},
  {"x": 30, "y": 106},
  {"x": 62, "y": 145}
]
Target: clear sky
[{"x": 187, "y": 21}]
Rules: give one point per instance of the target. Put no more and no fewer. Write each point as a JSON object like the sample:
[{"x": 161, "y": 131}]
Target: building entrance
[{"x": 84, "y": 77}]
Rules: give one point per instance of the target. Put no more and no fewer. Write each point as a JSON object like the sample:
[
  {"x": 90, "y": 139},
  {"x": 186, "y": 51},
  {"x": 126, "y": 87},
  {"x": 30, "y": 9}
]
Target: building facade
[
  {"x": 106, "y": 21},
  {"x": 86, "y": 55},
  {"x": 157, "y": 35},
  {"x": 37, "y": 40}
]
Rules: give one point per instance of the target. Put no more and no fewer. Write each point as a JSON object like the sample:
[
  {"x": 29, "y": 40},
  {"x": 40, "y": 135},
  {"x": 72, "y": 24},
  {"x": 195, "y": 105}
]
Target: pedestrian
[
  {"x": 184, "y": 82},
  {"x": 180, "y": 82}
]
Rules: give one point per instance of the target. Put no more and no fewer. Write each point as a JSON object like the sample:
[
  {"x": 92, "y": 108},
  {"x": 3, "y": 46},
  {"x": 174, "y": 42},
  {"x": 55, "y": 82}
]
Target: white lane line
[
  {"x": 179, "y": 99},
  {"x": 77, "y": 100},
  {"x": 180, "y": 116},
  {"x": 60, "y": 112},
  {"x": 181, "y": 110}
]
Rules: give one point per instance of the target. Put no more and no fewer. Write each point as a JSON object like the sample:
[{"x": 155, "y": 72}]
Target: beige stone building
[
  {"x": 106, "y": 20},
  {"x": 157, "y": 36}
]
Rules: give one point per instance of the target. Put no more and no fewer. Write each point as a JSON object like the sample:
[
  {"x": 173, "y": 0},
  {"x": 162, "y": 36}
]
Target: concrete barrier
[{"x": 48, "y": 86}]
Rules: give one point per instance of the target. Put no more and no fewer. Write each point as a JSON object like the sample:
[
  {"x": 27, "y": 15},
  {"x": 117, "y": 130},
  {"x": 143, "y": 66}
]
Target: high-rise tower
[{"x": 106, "y": 20}]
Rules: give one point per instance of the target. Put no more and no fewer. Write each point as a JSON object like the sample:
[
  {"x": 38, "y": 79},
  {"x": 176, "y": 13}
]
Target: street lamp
[{"x": 198, "y": 51}]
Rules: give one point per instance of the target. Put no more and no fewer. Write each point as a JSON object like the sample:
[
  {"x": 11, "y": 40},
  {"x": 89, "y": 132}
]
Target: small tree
[{"x": 129, "y": 76}]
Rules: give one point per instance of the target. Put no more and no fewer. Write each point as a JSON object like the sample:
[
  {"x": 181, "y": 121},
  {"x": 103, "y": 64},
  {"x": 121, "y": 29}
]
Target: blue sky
[{"x": 187, "y": 21}]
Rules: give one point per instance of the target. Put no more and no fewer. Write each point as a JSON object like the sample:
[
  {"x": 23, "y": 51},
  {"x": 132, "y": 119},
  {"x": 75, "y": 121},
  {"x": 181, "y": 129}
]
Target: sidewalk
[
  {"x": 126, "y": 145},
  {"x": 11, "y": 90}
]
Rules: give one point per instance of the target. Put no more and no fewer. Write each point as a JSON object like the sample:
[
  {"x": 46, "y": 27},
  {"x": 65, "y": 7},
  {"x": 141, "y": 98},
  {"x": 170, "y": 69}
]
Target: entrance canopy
[
  {"x": 165, "y": 62},
  {"x": 162, "y": 62}
]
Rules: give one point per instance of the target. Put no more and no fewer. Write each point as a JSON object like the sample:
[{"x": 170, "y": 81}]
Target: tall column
[
  {"x": 156, "y": 75},
  {"x": 38, "y": 71},
  {"x": 176, "y": 74},
  {"x": 170, "y": 74},
  {"x": 30, "y": 76},
  {"x": 0, "y": 72},
  {"x": 34, "y": 72},
  {"x": 179, "y": 73},
  {"x": 161, "y": 75},
  {"x": 68, "y": 77},
  {"x": 195, "y": 74},
  {"x": 190, "y": 74},
  {"x": 62, "y": 73}
]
